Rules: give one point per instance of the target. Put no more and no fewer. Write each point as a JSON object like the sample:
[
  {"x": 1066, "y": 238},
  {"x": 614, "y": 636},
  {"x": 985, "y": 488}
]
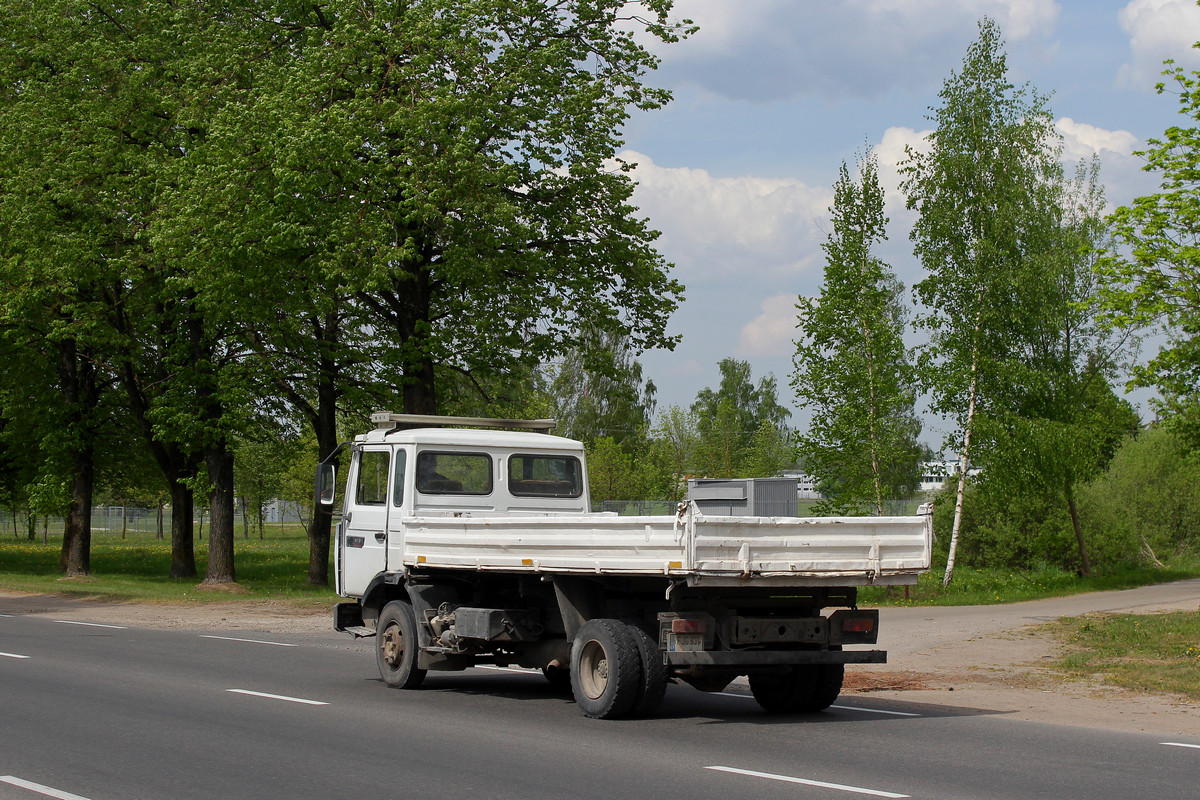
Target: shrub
[{"x": 1147, "y": 505}]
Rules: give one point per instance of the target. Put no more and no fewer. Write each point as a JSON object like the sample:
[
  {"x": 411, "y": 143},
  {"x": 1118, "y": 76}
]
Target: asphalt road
[{"x": 114, "y": 713}]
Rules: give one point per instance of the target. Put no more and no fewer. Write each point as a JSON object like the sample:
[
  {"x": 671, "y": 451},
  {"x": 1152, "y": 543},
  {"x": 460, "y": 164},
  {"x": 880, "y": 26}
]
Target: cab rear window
[{"x": 545, "y": 476}]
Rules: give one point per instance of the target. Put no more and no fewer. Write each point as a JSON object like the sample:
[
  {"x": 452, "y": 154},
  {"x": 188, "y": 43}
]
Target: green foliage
[
  {"x": 230, "y": 212},
  {"x": 983, "y": 191},
  {"x": 852, "y": 368},
  {"x": 739, "y": 427},
  {"x": 598, "y": 391},
  {"x": 618, "y": 472},
  {"x": 1007, "y": 526},
  {"x": 1153, "y": 280},
  {"x": 1146, "y": 506},
  {"x": 987, "y": 586}
]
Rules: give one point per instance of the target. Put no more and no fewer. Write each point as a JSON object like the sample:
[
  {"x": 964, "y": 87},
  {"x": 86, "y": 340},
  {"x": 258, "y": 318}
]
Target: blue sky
[{"x": 771, "y": 96}]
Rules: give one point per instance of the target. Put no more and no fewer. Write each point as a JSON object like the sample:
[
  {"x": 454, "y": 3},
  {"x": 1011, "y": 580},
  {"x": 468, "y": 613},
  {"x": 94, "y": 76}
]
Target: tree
[
  {"x": 1153, "y": 280},
  {"x": 728, "y": 418},
  {"x": 599, "y": 391},
  {"x": 62, "y": 184},
  {"x": 852, "y": 368},
  {"x": 983, "y": 191},
  {"x": 618, "y": 472},
  {"x": 444, "y": 172},
  {"x": 1056, "y": 421}
]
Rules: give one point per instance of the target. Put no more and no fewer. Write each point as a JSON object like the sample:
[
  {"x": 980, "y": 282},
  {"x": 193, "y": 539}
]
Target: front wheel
[
  {"x": 396, "y": 650},
  {"x": 606, "y": 669}
]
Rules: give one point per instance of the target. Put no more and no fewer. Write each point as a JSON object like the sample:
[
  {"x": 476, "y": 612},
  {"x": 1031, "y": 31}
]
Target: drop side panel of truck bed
[{"x": 700, "y": 549}]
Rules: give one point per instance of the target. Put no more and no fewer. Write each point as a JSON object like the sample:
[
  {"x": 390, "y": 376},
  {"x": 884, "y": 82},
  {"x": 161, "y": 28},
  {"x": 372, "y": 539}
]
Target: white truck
[{"x": 462, "y": 546}]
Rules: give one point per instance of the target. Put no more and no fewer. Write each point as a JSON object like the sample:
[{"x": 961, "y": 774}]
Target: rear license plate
[{"x": 686, "y": 641}]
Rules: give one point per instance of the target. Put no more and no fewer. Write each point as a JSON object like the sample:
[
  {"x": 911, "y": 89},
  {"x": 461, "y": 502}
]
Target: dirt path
[
  {"x": 982, "y": 659},
  {"x": 993, "y": 659}
]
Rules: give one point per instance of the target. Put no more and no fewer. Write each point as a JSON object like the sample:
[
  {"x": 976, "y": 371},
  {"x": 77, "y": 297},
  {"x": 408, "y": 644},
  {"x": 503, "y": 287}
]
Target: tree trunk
[
  {"x": 159, "y": 520},
  {"x": 963, "y": 465},
  {"x": 325, "y": 424},
  {"x": 1086, "y": 564},
  {"x": 176, "y": 465},
  {"x": 80, "y": 393},
  {"x": 77, "y": 526},
  {"x": 419, "y": 396},
  {"x": 183, "y": 550},
  {"x": 220, "y": 527}
]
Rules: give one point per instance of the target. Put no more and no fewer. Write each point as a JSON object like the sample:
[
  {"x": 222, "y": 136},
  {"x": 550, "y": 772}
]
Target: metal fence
[{"x": 129, "y": 519}]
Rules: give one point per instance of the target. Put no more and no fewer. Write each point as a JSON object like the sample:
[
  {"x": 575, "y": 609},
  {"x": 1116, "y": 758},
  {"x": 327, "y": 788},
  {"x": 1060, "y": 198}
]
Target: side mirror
[{"x": 326, "y": 484}]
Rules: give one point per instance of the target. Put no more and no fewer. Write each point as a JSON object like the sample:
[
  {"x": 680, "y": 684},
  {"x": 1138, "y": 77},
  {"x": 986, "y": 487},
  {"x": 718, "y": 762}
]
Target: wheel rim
[
  {"x": 593, "y": 670},
  {"x": 391, "y": 644}
]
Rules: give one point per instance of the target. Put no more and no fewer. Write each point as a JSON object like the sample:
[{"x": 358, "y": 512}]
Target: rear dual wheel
[{"x": 616, "y": 670}]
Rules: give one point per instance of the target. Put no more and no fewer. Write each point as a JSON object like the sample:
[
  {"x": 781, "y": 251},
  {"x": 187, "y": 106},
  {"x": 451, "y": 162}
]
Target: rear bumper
[{"x": 757, "y": 658}]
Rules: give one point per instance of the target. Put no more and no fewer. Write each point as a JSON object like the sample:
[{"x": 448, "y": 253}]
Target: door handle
[{"x": 379, "y": 537}]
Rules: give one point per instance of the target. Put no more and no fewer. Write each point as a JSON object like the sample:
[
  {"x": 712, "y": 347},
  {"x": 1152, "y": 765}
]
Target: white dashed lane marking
[
  {"x": 278, "y": 697},
  {"x": 251, "y": 641},
  {"x": 806, "y": 782},
  {"x": 37, "y": 787}
]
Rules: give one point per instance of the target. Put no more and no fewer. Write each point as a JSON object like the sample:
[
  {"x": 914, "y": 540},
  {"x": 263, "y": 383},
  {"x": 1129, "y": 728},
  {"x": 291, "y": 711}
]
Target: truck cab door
[{"x": 362, "y": 538}]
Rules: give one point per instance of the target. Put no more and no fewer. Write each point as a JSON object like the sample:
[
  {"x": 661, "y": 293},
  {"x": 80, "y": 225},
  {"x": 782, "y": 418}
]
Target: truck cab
[{"x": 398, "y": 473}]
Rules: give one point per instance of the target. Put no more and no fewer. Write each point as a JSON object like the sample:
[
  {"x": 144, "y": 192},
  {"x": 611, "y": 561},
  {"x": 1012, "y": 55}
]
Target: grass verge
[
  {"x": 1144, "y": 652},
  {"x": 135, "y": 569},
  {"x": 972, "y": 587}
]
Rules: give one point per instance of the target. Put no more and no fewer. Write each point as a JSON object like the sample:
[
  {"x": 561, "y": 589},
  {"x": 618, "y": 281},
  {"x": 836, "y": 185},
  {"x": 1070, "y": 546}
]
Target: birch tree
[
  {"x": 851, "y": 366},
  {"x": 982, "y": 191}
]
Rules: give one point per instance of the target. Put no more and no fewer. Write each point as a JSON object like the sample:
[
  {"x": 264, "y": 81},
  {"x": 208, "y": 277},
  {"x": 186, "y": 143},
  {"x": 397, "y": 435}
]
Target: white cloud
[
  {"x": 1158, "y": 30},
  {"x": 1081, "y": 140},
  {"x": 762, "y": 50},
  {"x": 714, "y": 227},
  {"x": 772, "y": 332},
  {"x": 891, "y": 151}
]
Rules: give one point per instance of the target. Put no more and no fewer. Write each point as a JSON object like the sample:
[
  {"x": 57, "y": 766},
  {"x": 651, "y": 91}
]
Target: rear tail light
[
  {"x": 858, "y": 624},
  {"x": 688, "y": 626}
]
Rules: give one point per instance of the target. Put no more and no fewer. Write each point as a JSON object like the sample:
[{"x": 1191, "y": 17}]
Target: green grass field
[{"x": 135, "y": 568}]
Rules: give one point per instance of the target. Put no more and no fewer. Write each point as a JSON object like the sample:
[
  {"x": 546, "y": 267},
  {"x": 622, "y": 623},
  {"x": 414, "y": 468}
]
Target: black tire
[
  {"x": 826, "y": 686},
  {"x": 803, "y": 689},
  {"x": 781, "y": 692},
  {"x": 606, "y": 669},
  {"x": 654, "y": 673},
  {"x": 396, "y": 646}
]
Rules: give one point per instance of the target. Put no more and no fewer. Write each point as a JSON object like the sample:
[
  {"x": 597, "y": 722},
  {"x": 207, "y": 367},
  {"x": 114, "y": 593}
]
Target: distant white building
[
  {"x": 935, "y": 474},
  {"x": 806, "y": 485}
]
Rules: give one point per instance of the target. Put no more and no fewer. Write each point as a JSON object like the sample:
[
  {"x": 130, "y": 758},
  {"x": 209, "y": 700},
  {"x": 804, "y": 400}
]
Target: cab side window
[
  {"x": 372, "y": 478},
  {"x": 454, "y": 473}
]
